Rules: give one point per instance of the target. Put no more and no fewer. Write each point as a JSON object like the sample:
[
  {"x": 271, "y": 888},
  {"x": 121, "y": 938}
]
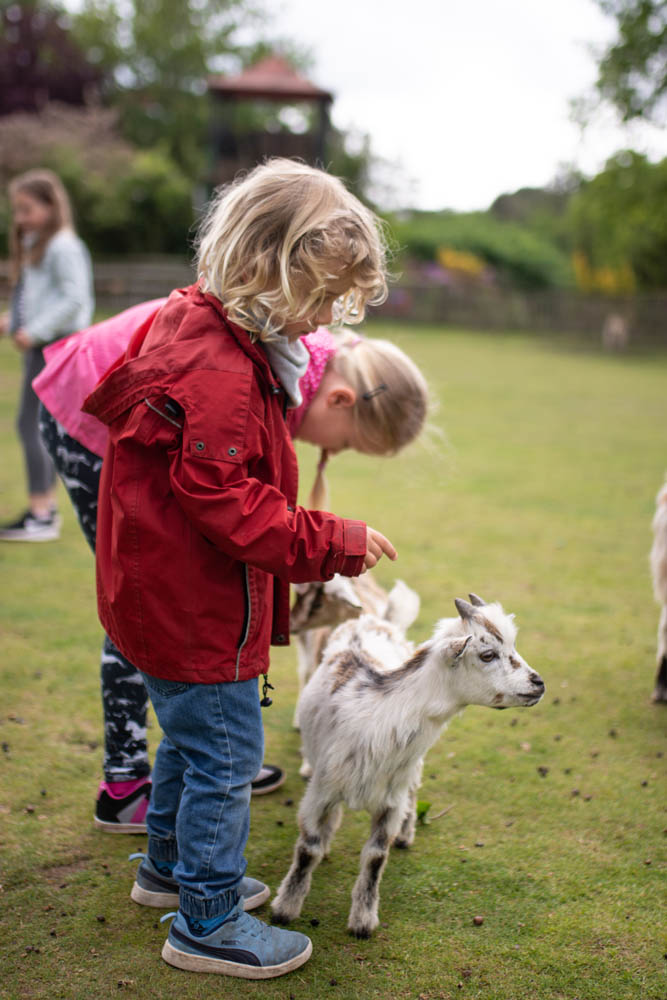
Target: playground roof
[{"x": 272, "y": 79}]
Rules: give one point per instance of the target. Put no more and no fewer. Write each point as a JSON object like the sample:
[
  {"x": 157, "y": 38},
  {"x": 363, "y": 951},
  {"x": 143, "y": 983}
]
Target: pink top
[
  {"x": 75, "y": 364},
  {"x": 321, "y": 346}
]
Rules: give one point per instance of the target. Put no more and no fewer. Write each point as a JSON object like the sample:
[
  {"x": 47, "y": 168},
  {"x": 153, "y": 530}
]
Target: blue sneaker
[
  {"x": 153, "y": 887},
  {"x": 242, "y": 946}
]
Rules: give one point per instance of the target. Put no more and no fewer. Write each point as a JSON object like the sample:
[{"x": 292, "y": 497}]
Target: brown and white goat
[
  {"x": 659, "y": 573},
  {"x": 369, "y": 714},
  {"x": 319, "y": 607}
]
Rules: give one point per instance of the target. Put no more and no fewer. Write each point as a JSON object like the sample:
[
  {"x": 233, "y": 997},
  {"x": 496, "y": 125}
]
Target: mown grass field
[{"x": 539, "y": 495}]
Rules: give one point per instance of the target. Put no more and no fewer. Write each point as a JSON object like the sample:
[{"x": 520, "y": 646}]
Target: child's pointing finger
[{"x": 377, "y": 546}]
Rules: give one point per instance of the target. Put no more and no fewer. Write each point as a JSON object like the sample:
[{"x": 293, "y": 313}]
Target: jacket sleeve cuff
[{"x": 349, "y": 559}]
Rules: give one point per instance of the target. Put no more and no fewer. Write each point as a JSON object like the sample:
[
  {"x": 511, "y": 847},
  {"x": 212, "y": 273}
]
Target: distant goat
[
  {"x": 321, "y": 606},
  {"x": 659, "y": 572},
  {"x": 369, "y": 714},
  {"x": 615, "y": 333}
]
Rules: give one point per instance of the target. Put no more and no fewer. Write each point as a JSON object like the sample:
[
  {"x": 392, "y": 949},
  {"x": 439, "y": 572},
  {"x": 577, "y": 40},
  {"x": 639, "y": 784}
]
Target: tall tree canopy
[
  {"x": 618, "y": 218},
  {"x": 39, "y": 59},
  {"x": 157, "y": 55},
  {"x": 632, "y": 72}
]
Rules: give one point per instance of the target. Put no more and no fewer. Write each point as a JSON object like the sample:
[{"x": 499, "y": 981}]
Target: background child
[
  {"x": 52, "y": 295},
  {"x": 199, "y": 533},
  {"x": 334, "y": 413}
]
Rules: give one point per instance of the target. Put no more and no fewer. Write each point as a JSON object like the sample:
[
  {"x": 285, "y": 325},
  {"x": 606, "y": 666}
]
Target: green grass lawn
[{"x": 539, "y": 493}]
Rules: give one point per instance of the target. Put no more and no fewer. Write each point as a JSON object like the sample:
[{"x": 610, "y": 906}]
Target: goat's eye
[{"x": 488, "y": 655}]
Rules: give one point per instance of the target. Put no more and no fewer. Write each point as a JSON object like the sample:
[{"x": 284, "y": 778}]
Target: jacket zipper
[
  {"x": 246, "y": 623},
  {"x": 248, "y": 606}
]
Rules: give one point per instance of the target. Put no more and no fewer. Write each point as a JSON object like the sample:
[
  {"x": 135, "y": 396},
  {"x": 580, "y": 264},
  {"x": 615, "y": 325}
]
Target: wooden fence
[
  {"x": 638, "y": 318},
  {"x": 121, "y": 283}
]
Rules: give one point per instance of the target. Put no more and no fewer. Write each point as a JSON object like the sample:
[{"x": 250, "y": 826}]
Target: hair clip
[{"x": 374, "y": 392}]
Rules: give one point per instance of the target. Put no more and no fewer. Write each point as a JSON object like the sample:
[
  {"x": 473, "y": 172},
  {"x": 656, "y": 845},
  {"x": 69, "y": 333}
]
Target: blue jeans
[{"x": 199, "y": 813}]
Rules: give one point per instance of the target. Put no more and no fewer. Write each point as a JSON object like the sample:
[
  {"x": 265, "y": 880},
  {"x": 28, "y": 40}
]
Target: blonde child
[
  {"x": 358, "y": 393},
  {"x": 342, "y": 406},
  {"x": 199, "y": 533},
  {"x": 52, "y": 296}
]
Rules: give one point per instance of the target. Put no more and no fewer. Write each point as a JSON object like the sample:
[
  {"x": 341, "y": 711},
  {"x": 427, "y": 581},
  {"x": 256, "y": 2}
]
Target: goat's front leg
[
  {"x": 303, "y": 672},
  {"x": 363, "y": 917},
  {"x": 406, "y": 835},
  {"x": 317, "y": 824},
  {"x": 660, "y": 691}
]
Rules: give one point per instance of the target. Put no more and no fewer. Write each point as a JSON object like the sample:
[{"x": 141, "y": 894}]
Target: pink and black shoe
[{"x": 121, "y": 806}]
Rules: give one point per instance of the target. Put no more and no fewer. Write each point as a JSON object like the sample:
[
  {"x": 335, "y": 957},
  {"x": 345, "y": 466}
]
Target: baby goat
[
  {"x": 368, "y": 716},
  {"x": 321, "y": 606},
  {"x": 659, "y": 571}
]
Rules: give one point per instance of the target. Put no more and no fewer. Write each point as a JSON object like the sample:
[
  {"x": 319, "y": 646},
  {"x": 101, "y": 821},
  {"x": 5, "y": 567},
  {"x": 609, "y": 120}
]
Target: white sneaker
[{"x": 31, "y": 528}]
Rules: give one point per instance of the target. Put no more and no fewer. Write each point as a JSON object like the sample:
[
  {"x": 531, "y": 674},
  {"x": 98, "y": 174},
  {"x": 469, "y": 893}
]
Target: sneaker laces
[
  {"x": 254, "y": 927},
  {"x": 163, "y": 869}
]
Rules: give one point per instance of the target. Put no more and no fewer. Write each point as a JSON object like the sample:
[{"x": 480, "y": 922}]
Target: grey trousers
[{"x": 40, "y": 470}]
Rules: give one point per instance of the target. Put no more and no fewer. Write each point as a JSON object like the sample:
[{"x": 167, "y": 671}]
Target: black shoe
[
  {"x": 30, "y": 528},
  {"x": 269, "y": 778}
]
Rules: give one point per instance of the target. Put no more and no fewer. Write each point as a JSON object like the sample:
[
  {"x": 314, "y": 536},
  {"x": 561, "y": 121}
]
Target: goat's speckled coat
[
  {"x": 368, "y": 716},
  {"x": 321, "y": 606}
]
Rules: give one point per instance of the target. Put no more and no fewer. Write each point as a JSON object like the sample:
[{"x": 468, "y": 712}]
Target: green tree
[
  {"x": 619, "y": 218},
  {"x": 632, "y": 72},
  {"x": 39, "y": 59},
  {"x": 520, "y": 257},
  {"x": 157, "y": 55},
  {"x": 543, "y": 211},
  {"x": 125, "y": 200}
]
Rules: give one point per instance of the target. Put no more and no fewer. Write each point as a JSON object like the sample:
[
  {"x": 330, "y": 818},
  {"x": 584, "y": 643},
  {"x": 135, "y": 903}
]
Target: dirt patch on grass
[{"x": 57, "y": 874}]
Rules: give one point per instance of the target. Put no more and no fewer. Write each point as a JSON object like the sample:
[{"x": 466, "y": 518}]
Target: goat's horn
[
  {"x": 477, "y": 601},
  {"x": 464, "y": 609}
]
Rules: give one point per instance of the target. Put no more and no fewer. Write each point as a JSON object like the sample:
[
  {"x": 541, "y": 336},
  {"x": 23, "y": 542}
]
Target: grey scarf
[{"x": 289, "y": 362}]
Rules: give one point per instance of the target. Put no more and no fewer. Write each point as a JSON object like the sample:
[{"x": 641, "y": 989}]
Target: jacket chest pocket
[
  {"x": 217, "y": 422},
  {"x": 150, "y": 423}
]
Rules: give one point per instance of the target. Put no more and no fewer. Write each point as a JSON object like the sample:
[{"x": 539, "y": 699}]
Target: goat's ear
[
  {"x": 301, "y": 609},
  {"x": 464, "y": 609},
  {"x": 457, "y": 646},
  {"x": 477, "y": 601},
  {"x": 341, "y": 588}
]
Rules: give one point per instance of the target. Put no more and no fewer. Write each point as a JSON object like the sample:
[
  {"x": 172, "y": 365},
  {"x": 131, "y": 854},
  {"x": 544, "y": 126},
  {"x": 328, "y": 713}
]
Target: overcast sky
[{"x": 469, "y": 97}]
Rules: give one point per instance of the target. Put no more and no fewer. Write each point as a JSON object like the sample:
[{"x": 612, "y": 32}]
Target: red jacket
[{"x": 198, "y": 532}]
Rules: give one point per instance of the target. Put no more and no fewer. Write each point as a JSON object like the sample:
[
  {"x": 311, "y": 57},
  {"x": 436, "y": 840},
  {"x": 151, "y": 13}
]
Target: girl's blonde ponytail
[{"x": 318, "y": 498}]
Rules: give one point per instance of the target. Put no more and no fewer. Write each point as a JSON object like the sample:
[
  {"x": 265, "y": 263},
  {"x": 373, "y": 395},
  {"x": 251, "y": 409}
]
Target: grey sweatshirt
[{"x": 56, "y": 296}]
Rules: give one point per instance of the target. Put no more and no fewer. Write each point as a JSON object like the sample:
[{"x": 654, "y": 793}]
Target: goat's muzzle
[{"x": 537, "y": 684}]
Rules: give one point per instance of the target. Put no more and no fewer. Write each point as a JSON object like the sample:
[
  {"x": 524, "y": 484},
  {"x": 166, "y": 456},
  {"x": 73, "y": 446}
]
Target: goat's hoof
[
  {"x": 402, "y": 844},
  {"x": 360, "y": 932},
  {"x": 278, "y": 917}
]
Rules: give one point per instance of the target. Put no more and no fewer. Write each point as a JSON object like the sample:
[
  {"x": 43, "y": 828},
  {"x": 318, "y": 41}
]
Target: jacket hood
[{"x": 154, "y": 357}]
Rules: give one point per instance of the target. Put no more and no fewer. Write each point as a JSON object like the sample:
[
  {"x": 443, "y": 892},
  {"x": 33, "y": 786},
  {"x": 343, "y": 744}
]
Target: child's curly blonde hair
[{"x": 276, "y": 242}]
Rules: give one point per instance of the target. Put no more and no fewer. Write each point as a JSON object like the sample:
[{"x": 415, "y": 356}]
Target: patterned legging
[{"x": 124, "y": 696}]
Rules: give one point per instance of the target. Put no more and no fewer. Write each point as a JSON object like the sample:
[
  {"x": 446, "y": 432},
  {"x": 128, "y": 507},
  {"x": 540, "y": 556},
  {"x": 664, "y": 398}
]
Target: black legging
[{"x": 124, "y": 696}]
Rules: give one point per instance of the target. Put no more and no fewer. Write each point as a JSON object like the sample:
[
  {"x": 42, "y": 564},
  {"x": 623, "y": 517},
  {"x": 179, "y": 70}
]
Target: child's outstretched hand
[{"x": 376, "y": 546}]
